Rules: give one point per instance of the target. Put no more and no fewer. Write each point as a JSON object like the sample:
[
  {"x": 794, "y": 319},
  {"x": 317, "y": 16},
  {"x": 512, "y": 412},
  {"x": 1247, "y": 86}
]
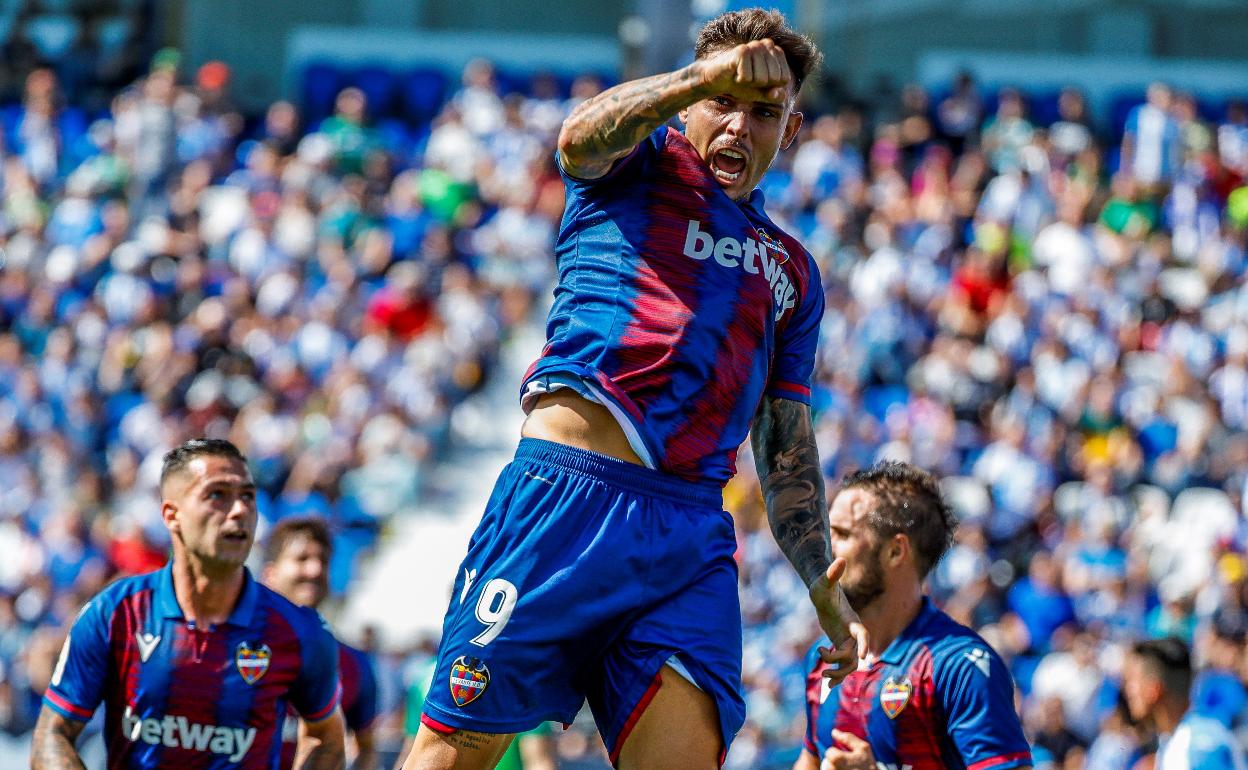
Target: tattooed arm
[
  {"x": 783, "y": 438},
  {"x": 607, "y": 127},
  {"x": 53, "y": 745}
]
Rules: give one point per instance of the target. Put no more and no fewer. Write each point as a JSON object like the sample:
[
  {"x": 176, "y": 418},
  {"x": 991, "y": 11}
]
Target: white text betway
[
  {"x": 746, "y": 255},
  {"x": 175, "y": 732}
]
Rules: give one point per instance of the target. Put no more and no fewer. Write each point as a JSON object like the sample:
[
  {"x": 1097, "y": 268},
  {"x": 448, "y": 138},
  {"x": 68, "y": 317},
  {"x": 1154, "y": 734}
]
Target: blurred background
[{"x": 324, "y": 231}]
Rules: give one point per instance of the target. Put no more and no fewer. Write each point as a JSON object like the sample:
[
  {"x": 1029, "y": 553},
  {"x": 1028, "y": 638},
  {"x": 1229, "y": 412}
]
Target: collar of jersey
[
  {"x": 899, "y": 648},
  {"x": 166, "y": 599}
]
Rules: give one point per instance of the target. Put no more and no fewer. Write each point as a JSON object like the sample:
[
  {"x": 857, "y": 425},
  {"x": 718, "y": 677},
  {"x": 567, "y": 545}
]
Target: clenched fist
[{"x": 748, "y": 70}]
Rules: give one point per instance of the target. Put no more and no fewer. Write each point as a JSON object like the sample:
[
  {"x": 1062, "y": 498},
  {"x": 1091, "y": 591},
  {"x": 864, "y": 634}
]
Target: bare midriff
[{"x": 565, "y": 417}]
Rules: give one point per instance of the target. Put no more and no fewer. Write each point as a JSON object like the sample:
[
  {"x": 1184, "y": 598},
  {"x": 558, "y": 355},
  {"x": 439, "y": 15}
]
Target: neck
[
  {"x": 887, "y": 616},
  {"x": 1169, "y": 713},
  {"x": 206, "y": 592}
]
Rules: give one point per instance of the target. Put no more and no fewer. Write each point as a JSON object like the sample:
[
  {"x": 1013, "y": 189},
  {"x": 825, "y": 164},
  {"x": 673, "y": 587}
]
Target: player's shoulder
[
  {"x": 105, "y": 603},
  {"x": 954, "y": 645},
  {"x": 304, "y": 621},
  {"x": 349, "y": 655},
  {"x": 812, "y": 659}
]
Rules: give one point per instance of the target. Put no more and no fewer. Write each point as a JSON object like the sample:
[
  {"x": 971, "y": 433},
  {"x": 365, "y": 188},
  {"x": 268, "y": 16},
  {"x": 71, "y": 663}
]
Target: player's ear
[
  {"x": 683, "y": 115},
  {"x": 897, "y": 550},
  {"x": 169, "y": 515},
  {"x": 791, "y": 127}
]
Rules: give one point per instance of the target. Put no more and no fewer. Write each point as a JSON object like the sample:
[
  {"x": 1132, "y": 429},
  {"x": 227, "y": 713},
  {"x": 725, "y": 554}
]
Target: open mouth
[
  {"x": 237, "y": 536},
  {"x": 728, "y": 164}
]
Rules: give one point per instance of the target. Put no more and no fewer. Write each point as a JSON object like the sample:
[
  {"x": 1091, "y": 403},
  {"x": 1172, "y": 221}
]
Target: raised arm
[
  {"x": 607, "y": 127},
  {"x": 787, "y": 459},
  {"x": 52, "y": 747}
]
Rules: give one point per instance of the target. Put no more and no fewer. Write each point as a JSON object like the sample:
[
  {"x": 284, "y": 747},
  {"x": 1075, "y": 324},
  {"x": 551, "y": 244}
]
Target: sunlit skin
[
  {"x": 855, "y": 542},
  {"x": 210, "y": 511},
  {"x": 300, "y": 572},
  {"x": 751, "y": 113}
]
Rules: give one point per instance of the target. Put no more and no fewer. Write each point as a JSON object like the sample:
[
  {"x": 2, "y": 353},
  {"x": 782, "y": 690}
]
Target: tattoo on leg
[{"x": 470, "y": 741}]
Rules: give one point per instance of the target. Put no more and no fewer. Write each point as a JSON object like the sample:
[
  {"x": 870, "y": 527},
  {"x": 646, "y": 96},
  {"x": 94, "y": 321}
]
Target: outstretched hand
[
  {"x": 839, "y": 622},
  {"x": 749, "y": 69}
]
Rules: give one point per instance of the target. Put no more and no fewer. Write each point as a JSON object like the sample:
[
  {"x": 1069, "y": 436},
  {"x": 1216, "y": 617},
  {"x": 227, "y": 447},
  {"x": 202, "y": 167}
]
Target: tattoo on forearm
[
  {"x": 612, "y": 123},
  {"x": 52, "y": 747},
  {"x": 787, "y": 459}
]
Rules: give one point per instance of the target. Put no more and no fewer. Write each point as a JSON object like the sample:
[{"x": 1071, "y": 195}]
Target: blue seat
[
  {"x": 321, "y": 83},
  {"x": 422, "y": 92},
  {"x": 378, "y": 84}
]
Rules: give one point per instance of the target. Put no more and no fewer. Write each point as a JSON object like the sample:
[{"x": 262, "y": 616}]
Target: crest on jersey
[
  {"x": 469, "y": 678},
  {"x": 779, "y": 253},
  {"x": 252, "y": 662},
  {"x": 894, "y": 695}
]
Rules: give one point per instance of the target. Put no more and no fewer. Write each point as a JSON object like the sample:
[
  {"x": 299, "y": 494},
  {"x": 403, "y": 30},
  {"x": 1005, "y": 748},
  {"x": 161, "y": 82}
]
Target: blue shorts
[{"x": 585, "y": 576}]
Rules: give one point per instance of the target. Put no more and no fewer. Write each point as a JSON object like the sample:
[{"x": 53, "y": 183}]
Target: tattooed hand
[{"x": 783, "y": 438}]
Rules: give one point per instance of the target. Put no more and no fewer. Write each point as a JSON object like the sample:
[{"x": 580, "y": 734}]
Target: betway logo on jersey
[
  {"x": 175, "y": 732},
  {"x": 748, "y": 255}
]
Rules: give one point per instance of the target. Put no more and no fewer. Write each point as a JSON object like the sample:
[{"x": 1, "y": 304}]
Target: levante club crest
[
  {"x": 469, "y": 678},
  {"x": 252, "y": 662},
  {"x": 894, "y": 696}
]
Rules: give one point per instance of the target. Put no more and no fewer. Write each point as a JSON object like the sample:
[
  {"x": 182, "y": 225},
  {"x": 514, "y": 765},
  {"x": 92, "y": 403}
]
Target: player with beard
[
  {"x": 684, "y": 320},
  {"x": 296, "y": 565},
  {"x": 931, "y": 695},
  {"x": 196, "y": 662}
]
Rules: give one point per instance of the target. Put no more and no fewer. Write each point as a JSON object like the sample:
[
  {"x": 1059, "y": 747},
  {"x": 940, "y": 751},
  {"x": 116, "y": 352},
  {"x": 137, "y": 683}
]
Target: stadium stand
[{"x": 327, "y": 283}]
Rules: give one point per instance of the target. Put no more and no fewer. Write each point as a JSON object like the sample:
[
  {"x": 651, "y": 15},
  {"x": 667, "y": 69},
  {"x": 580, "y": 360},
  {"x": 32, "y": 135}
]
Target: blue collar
[
  {"x": 899, "y": 648},
  {"x": 166, "y": 598}
]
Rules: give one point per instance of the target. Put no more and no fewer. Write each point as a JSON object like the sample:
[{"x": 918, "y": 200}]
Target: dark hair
[
  {"x": 909, "y": 502},
  {"x": 179, "y": 457},
  {"x": 1169, "y": 661},
  {"x": 296, "y": 526},
  {"x": 735, "y": 28}
]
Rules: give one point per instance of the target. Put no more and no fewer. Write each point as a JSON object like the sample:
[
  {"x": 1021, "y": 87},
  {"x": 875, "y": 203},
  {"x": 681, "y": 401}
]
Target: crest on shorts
[
  {"x": 252, "y": 662},
  {"x": 894, "y": 695},
  {"x": 781, "y": 254},
  {"x": 469, "y": 678}
]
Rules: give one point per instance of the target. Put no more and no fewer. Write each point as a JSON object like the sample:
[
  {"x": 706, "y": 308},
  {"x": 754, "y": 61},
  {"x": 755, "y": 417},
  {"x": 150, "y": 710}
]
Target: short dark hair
[
  {"x": 909, "y": 502},
  {"x": 179, "y": 457},
  {"x": 288, "y": 529},
  {"x": 735, "y": 28},
  {"x": 1169, "y": 660}
]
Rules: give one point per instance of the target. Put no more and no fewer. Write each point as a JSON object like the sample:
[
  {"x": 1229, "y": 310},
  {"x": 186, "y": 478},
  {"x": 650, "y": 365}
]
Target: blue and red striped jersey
[
  {"x": 179, "y": 696},
  {"x": 359, "y": 699},
  {"x": 939, "y": 698},
  {"x": 679, "y": 307}
]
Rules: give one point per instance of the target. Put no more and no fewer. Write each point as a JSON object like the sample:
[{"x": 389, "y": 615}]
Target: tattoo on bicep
[
  {"x": 792, "y": 481},
  {"x": 616, "y": 120}
]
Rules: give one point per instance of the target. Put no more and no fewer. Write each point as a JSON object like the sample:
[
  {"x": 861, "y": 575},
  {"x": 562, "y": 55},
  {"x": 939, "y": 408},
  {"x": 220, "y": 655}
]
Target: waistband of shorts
[{"x": 626, "y": 475}]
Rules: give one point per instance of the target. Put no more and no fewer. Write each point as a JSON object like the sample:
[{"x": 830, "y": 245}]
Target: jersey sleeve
[
  {"x": 793, "y": 367},
  {"x": 977, "y": 694},
  {"x": 363, "y": 709},
  {"x": 627, "y": 167},
  {"x": 77, "y": 685},
  {"x": 316, "y": 691},
  {"x": 812, "y": 704}
]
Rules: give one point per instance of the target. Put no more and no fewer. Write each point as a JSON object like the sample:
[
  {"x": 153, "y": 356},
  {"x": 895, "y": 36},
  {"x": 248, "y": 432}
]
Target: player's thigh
[
  {"x": 458, "y": 750},
  {"x": 679, "y": 729}
]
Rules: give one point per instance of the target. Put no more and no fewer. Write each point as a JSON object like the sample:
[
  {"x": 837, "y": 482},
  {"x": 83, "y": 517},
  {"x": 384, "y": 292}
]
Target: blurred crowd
[{"x": 1046, "y": 312}]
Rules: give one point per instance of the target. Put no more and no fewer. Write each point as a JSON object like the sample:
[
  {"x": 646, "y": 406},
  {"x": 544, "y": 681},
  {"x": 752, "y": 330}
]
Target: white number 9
[{"x": 498, "y": 599}]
